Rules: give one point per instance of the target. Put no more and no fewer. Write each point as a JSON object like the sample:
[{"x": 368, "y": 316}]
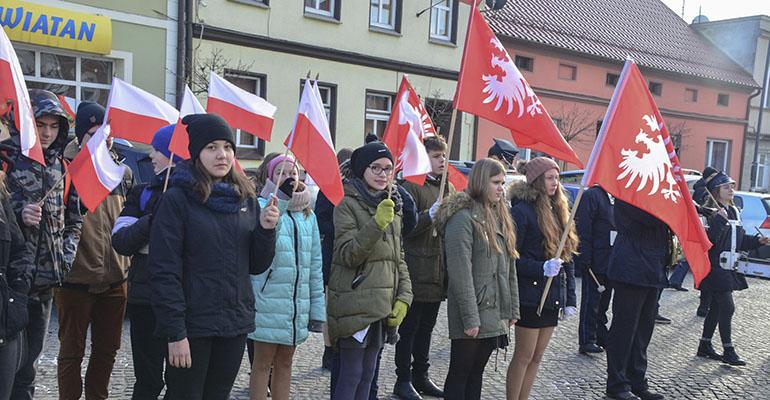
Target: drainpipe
[
  {"x": 188, "y": 65},
  {"x": 762, "y": 102},
  {"x": 180, "y": 51}
]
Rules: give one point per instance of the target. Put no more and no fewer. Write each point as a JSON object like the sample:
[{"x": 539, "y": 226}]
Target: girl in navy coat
[{"x": 723, "y": 278}]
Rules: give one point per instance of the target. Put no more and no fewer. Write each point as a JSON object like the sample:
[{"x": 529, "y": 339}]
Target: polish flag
[
  {"x": 135, "y": 114},
  {"x": 404, "y": 133},
  {"x": 94, "y": 173},
  {"x": 69, "y": 104},
  {"x": 311, "y": 143},
  {"x": 241, "y": 109},
  {"x": 179, "y": 139},
  {"x": 456, "y": 178},
  {"x": 13, "y": 89}
]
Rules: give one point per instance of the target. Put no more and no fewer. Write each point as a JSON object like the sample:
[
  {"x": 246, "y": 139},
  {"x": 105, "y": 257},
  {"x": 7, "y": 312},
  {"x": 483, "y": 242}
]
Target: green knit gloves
[
  {"x": 385, "y": 213},
  {"x": 397, "y": 315}
]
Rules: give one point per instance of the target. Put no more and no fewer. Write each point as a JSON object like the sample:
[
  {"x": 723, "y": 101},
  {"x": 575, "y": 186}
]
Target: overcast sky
[{"x": 719, "y": 9}]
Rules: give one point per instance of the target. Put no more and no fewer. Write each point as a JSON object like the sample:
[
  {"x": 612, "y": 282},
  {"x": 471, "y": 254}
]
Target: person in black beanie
[
  {"x": 88, "y": 118},
  {"x": 207, "y": 236}
]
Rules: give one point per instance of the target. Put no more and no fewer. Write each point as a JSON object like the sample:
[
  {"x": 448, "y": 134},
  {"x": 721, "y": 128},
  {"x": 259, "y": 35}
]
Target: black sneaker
[
  {"x": 591, "y": 348},
  {"x": 659, "y": 319},
  {"x": 646, "y": 394},
  {"x": 622, "y": 396}
]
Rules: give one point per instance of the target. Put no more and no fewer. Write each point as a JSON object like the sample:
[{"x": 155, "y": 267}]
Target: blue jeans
[{"x": 680, "y": 271}]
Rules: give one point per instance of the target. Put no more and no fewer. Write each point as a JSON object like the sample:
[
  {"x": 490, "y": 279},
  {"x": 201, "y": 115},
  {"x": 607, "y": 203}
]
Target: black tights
[
  {"x": 721, "y": 312},
  {"x": 467, "y": 359}
]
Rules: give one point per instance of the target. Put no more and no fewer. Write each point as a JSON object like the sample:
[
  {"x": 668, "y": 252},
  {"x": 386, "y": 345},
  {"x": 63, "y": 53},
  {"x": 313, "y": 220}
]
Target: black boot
[
  {"x": 731, "y": 357},
  {"x": 706, "y": 350},
  {"x": 423, "y": 384},
  {"x": 326, "y": 360},
  {"x": 405, "y": 391}
]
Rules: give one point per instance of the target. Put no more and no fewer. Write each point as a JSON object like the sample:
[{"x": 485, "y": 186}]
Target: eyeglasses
[{"x": 376, "y": 169}]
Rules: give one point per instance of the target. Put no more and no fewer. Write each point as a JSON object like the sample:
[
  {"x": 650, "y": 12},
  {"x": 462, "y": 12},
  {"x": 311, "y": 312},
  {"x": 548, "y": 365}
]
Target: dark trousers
[
  {"x": 467, "y": 359},
  {"x": 357, "y": 368},
  {"x": 77, "y": 310},
  {"x": 11, "y": 356},
  {"x": 720, "y": 312},
  {"x": 148, "y": 352},
  {"x": 215, "y": 364},
  {"x": 37, "y": 329},
  {"x": 335, "y": 374},
  {"x": 705, "y": 300},
  {"x": 680, "y": 271},
  {"x": 633, "y": 320},
  {"x": 415, "y": 332},
  {"x": 593, "y": 311}
]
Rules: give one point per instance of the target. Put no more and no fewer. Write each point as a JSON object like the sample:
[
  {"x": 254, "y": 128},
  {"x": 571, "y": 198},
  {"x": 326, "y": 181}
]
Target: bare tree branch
[{"x": 215, "y": 62}]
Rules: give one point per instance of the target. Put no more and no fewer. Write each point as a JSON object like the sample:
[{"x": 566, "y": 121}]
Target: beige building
[{"x": 358, "y": 49}]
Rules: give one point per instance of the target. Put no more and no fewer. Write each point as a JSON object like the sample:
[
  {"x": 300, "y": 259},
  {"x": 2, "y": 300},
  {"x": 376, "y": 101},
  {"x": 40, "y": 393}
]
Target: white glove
[
  {"x": 568, "y": 312},
  {"x": 552, "y": 267},
  {"x": 434, "y": 209}
]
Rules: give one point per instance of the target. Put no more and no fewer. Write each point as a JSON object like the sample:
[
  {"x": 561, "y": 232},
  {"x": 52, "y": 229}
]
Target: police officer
[{"x": 503, "y": 151}]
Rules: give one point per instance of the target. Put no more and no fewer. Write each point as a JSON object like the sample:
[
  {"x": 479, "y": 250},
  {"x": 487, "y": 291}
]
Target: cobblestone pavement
[{"x": 564, "y": 374}]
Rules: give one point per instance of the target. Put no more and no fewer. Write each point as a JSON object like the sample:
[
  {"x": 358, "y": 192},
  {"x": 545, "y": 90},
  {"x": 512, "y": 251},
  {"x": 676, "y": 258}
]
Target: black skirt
[{"x": 530, "y": 319}]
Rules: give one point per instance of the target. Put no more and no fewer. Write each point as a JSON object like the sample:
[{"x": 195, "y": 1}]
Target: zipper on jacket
[
  {"x": 270, "y": 272},
  {"x": 296, "y": 280}
]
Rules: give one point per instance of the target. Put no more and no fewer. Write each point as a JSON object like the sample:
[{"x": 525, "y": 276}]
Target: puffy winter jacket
[
  {"x": 290, "y": 293},
  {"x": 16, "y": 265}
]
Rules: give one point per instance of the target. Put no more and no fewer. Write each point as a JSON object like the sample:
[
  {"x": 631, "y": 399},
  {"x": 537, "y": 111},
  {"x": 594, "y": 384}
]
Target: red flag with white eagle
[
  {"x": 94, "y": 173},
  {"x": 13, "y": 90},
  {"x": 179, "y": 139},
  {"x": 135, "y": 114},
  {"x": 241, "y": 109},
  {"x": 634, "y": 160},
  {"x": 490, "y": 86},
  {"x": 404, "y": 133},
  {"x": 311, "y": 143}
]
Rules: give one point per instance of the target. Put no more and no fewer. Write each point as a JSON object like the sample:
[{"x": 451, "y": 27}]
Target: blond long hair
[
  {"x": 478, "y": 183},
  {"x": 552, "y": 216}
]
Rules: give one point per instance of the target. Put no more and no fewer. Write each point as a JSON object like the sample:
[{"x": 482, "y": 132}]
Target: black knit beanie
[
  {"x": 366, "y": 154},
  {"x": 89, "y": 114},
  {"x": 204, "y": 129}
]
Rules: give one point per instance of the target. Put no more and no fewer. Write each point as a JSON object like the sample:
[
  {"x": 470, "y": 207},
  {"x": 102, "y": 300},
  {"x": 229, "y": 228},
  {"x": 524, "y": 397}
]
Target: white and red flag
[
  {"x": 94, "y": 173},
  {"x": 13, "y": 90},
  {"x": 69, "y": 104},
  {"x": 311, "y": 143},
  {"x": 490, "y": 86},
  {"x": 179, "y": 139},
  {"x": 135, "y": 114},
  {"x": 634, "y": 160},
  {"x": 241, "y": 109},
  {"x": 405, "y": 132}
]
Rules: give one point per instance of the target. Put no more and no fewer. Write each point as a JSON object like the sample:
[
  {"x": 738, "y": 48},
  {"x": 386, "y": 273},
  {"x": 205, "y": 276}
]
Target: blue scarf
[{"x": 224, "y": 198}]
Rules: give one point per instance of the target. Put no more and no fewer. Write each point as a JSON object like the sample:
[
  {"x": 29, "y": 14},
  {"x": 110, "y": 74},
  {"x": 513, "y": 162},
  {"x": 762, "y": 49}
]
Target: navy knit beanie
[
  {"x": 89, "y": 114},
  {"x": 162, "y": 139}
]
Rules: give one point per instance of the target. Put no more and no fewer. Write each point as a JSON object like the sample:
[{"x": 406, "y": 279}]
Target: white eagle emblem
[
  {"x": 511, "y": 87},
  {"x": 652, "y": 167}
]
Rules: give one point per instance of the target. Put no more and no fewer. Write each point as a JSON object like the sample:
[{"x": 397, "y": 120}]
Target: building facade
[{"x": 747, "y": 41}]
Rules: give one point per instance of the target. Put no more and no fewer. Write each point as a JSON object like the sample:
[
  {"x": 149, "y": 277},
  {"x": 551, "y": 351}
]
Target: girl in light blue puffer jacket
[{"x": 289, "y": 296}]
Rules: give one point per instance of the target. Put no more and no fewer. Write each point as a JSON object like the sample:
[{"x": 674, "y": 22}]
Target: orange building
[{"x": 572, "y": 51}]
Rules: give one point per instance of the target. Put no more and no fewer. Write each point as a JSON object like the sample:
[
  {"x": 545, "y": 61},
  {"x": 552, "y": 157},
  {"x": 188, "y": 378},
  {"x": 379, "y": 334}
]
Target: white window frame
[
  {"x": 258, "y": 90},
  {"x": 762, "y": 177},
  {"x": 710, "y": 154},
  {"x": 443, "y": 7},
  {"x": 118, "y": 66},
  {"x": 378, "y": 116},
  {"x": 378, "y": 4},
  {"x": 316, "y": 8}
]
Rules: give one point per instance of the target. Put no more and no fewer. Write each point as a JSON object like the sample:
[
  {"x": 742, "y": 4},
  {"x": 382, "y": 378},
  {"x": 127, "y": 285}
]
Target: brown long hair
[
  {"x": 203, "y": 182},
  {"x": 552, "y": 216},
  {"x": 478, "y": 183}
]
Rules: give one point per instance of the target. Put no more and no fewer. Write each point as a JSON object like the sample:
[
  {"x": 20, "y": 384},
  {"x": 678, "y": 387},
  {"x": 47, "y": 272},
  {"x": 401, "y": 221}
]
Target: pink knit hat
[
  {"x": 538, "y": 166},
  {"x": 274, "y": 163}
]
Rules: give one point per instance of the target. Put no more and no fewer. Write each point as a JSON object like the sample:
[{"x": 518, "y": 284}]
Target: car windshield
[{"x": 766, "y": 203}]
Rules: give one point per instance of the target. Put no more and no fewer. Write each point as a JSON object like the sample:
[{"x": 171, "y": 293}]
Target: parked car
[
  {"x": 136, "y": 157},
  {"x": 571, "y": 180},
  {"x": 465, "y": 168}
]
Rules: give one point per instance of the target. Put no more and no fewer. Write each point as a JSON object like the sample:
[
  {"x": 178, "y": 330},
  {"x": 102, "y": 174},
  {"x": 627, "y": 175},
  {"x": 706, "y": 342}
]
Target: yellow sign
[{"x": 56, "y": 27}]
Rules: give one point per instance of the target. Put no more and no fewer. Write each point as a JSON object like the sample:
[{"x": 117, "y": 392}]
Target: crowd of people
[{"x": 206, "y": 261}]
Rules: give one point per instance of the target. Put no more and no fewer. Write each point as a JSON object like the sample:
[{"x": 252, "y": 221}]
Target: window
[
  {"x": 252, "y": 83},
  {"x": 328, "y": 93},
  {"x": 598, "y": 127},
  {"x": 83, "y": 78},
  {"x": 525, "y": 63},
  {"x": 385, "y": 14},
  {"x": 717, "y": 154},
  {"x": 723, "y": 99},
  {"x": 378, "y": 109},
  {"x": 612, "y": 79},
  {"x": 691, "y": 95},
  {"x": 763, "y": 171},
  {"x": 326, "y": 8},
  {"x": 567, "y": 72},
  {"x": 656, "y": 88},
  {"x": 443, "y": 20}
]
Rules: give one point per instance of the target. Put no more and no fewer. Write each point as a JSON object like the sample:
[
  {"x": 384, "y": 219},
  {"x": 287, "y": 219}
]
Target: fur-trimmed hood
[
  {"x": 449, "y": 207},
  {"x": 519, "y": 191}
]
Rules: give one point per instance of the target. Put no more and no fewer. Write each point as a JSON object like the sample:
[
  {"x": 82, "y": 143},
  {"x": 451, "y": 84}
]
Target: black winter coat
[
  {"x": 642, "y": 248},
  {"x": 200, "y": 259},
  {"x": 131, "y": 236},
  {"x": 720, "y": 234},
  {"x": 594, "y": 222},
  {"x": 16, "y": 266},
  {"x": 529, "y": 266}
]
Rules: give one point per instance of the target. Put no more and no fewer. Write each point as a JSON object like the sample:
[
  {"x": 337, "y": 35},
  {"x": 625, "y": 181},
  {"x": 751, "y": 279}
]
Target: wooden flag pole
[
  {"x": 168, "y": 171},
  {"x": 51, "y": 190},
  {"x": 562, "y": 243},
  {"x": 448, "y": 152}
]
